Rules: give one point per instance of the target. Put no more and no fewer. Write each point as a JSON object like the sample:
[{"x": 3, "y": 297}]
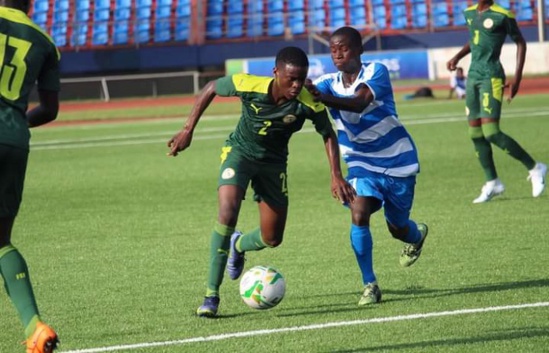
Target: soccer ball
[{"x": 262, "y": 287}]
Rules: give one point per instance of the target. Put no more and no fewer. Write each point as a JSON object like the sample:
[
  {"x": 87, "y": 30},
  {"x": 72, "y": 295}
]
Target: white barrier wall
[{"x": 537, "y": 60}]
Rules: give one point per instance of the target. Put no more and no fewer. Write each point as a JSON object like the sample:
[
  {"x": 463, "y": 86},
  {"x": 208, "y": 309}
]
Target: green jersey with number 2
[
  {"x": 264, "y": 129},
  {"x": 488, "y": 30},
  {"x": 27, "y": 56}
]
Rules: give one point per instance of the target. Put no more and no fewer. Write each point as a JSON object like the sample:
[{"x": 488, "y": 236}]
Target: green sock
[
  {"x": 251, "y": 241},
  {"x": 18, "y": 286},
  {"x": 484, "y": 154},
  {"x": 219, "y": 253},
  {"x": 511, "y": 147}
]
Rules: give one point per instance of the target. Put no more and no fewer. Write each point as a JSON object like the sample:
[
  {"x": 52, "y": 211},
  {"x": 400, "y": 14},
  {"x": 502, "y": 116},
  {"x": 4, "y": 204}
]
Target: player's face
[
  {"x": 345, "y": 57},
  {"x": 290, "y": 79}
]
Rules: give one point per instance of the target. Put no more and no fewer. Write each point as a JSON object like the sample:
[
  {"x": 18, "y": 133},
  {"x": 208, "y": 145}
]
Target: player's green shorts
[
  {"x": 13, "y": 165},
  {"x": 483, "y": 97},
  {"x": 269, "y": 180}
]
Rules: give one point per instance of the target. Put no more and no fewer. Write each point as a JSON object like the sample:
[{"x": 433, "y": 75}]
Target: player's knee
[
  {"x": 399, "y": 233},
  {"x": 475, "y": 132},
  {"x": 360, "y": 219},
  {"x": 497, "y": 138}
]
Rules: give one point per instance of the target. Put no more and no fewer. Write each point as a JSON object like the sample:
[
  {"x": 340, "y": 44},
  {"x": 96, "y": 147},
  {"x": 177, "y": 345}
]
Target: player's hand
[
  {"x": 513, "y": 87},
  {"x": 180, "y": 142},
  {"x": 312, "y": 89},
  {"x": 451, "y": 65},
  {"x": 343, "y": 191}
]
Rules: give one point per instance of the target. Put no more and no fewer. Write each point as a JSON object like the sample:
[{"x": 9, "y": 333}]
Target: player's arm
[
  {"x": 357, "y": 103},
  {"x": 452, "y": 63},
  {"x": 516, "y": 35},
  {"x": 46, "y": 111},
  {"x": 341, "y": 189},
  {"x": 183, "y": 138}
]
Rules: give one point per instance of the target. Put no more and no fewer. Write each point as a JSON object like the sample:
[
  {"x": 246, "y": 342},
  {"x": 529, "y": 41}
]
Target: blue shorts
[{"x": 397, "y": 194}]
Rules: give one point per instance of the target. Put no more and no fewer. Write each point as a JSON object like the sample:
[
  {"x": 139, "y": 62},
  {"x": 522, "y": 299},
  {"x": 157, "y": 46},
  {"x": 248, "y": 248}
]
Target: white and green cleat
[
  {"x": 371, "y": 294},
  {"x": 411, "y": 252}
]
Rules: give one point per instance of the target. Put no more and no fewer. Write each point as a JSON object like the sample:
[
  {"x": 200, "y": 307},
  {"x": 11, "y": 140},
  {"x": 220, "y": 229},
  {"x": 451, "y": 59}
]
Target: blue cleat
[
  {"x": 209, "y": 307},
  {"x": 235, "y": 265}
]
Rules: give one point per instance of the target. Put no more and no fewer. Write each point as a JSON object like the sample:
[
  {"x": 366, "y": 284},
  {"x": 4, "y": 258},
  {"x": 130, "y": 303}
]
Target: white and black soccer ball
[{"x": 262, "y": 287}]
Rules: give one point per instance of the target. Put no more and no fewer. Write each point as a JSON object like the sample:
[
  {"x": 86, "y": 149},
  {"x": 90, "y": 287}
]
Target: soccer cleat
[
  {"x": 490, "y": 190},
  {"x": 371, "y": 295},
  {"x": 537, "y": 177},
  {"x": 411, "y": 252},
  {"x": 235, "y": 265},
  {"x": 43, "y": 340},
  {"x": 209, "y": 307}
]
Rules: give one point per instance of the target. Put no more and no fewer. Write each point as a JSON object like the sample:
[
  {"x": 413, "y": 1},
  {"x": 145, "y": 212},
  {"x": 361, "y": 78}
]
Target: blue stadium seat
[
  {"x": 100, "y": 35},
  {"x": 337, "y": 17},
  {"x": 235, "y": 6},
  {"x": 214, "y": 28},
  {"x": 79, "y": 35},
  {"x": 61, "y": 16},
  {"x": 378, "y": 2},
  {"x": 183, "y": 10},
  {"x": 164, "y": 12},
  {"x": 524, "y": 11},
  {"x": 143, "y": 3},
  {"x": 81, "y": 15},
  {"x": 40, "y": 18},
  {"x": 336, "y": 3},
  {"x": 255, "y": 25},
  {"x": 123, "y": 3},
  {"x": 169, "y": 2},
  {"x": 59, "y": 33},
  {"x": 275, "y": 24},
  {"x": 142, "y": 31},
  {"x": 440, "y": 14},
  {"x": 419, "y": 15},
  {"x": 295, "y": 5},
  {"x": 317, "y": 18},
  {"x": 40, "y": 6},
  {"x": 506, "y": 4},
  {"x": 182, "y": 26},
  {"x": 296, "y": 21},
  {"x": 457, "y": 12},
  {"x": 61, "y": 5},
  {"x": 316, "y": 4},
  {"x": 356, "y": 3},
  {"x": 398, "y": 16},
  {"x": 101, "y": 15},
  {"x": 120, "y": 33},
  {"x": 102, "y": 4},
  {"x": 215, "y": 7},
  {"x": 234, "y": 26},
  {"x": 380, "y": 17},
  {"x": 122, "y": 13},
  {"x": 143, "y": 12},
  {"x": 162, "y": 31},
  {"x": 357, "y": 15},
  {"x": 82, "y": 5},
  {"x": 275, "y": 6}
]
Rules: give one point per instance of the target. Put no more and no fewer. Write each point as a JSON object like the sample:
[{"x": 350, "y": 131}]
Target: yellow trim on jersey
[
  {"x": 499, "y": 9},
  {"x": 307, "y": 99},
  {"x": 18, "y": 16},
  {"x": 474, "y": 7},
  {"x": 251, "y": 83},
  {"x": 497, "y": 88}
]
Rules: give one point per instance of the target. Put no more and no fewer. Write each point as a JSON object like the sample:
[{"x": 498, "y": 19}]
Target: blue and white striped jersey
[{"x": 374, "y": 140}]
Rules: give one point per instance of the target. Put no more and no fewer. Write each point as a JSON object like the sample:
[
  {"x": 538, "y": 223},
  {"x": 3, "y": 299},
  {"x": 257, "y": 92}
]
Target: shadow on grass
[{"x": 509, "y": 335}]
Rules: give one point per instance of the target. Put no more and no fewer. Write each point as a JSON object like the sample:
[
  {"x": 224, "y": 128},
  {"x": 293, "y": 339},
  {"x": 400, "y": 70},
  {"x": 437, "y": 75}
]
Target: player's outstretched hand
[
  {"x": 312, "y": 89},
  {"x": 180, "y": 142},
  {"x": 343, "y": 191}
]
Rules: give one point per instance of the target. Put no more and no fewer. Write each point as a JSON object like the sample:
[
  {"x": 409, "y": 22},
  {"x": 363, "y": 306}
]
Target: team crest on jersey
[
  {"x": 288, "y": 119},
  {"x": 227, "y": 173},
  {"x": 488, "y": 23}
]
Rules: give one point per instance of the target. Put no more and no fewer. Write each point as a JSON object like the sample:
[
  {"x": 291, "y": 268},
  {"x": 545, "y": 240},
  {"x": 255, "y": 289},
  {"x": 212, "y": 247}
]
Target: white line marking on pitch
[{"x": 226, "y": 336}]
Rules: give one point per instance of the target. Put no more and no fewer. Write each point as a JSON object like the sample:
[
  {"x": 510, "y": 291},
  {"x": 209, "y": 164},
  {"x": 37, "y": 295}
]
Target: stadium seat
[
  {"x": 59, "y": 33},
  {"x": 40, "y": 18},
  {"x": 316, "y": 4},
  {"x": 378, "y": 2},
  {"x": 215, "y": 7},
  {"x": 255, "y": 19},
  {"x": 102, "y": 4},
  {"x": 40, "y": 6},
  {"x": 506, "y": 4},
  {"x": 81, "y": 15},
  {"x": 337, "y": 17},
  {"x": 100, "y": 34},
  {"x": 457, "y": 13},
  {"x": 120, "y": 32},
  {"x": 214, "y": 28},
  {"x": 234, "y": 26},
  {"x": 162, "y": 31},
  {"x": 398, "y": 16},
  {"x": 380, "y": 17},
  {"x": 164, "y": 12},
  {"x": 357, "y": 15},
  {"x": 182, "y": 26},
  {"x": 183, "y": 10},
  {"x": 275, "y": 6},
  {"x": 143, "y": 13},
  {"x": 122, "y": 14},
  {"x": 296, "y": 5},
  {"x": 60, "y": 16},
  {"x": 419, "y": 15},
  {"x": 79, "y": 35},
  {"x": 275, "y": 24},
  {"x": 296, "y": 22},
  {"x": 61, "y": 5},
  {"x": 356, "y": 3},
  {"x": 440, "y": 14},
  {"x": 142, "y": 31},
  {"x": 317, "y": 18},
  {"x": 122, "y": 3},
  {"x": 524, "y": 11},
  {"x": 235, "y": 6}
]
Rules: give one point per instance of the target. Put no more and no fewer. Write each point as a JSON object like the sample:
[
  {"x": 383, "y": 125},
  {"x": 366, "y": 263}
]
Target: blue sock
[
  {"x": 413, "y": 235},
  {"x": 361, "y": 241}
]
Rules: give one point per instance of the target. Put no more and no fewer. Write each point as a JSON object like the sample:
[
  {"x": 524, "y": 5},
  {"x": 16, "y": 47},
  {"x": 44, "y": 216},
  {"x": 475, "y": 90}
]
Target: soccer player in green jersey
[
  {"x": 489, "y": 25},
  {"x": 257, "y": 151},
  {"x": 27, "y": 56}
]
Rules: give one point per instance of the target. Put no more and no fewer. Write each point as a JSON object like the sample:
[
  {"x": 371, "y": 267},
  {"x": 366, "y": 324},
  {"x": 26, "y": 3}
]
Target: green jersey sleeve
[
  {"x": 225, "y": 87},
  {"x": 512, "y": 28},
  {"x": 317, "y": 113},
  {"x": 49, "y": 76}
]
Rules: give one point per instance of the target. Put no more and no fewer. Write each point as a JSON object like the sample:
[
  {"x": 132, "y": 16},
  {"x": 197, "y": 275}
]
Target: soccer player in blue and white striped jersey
[{"x": 381, "y": 156}]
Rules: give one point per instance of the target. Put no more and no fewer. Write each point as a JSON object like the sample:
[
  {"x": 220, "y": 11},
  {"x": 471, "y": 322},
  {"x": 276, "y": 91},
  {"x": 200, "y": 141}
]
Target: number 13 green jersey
[{"x": 27, "y": 56}]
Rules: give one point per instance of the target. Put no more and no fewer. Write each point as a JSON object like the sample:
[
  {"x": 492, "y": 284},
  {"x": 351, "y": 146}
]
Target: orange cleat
[{"x": 43, "y": 340}]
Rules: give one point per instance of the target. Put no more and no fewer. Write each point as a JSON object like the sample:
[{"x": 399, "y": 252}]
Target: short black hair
[
  {"x": 355, "y": 39},
  {"x": 293, "y": 56}
]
